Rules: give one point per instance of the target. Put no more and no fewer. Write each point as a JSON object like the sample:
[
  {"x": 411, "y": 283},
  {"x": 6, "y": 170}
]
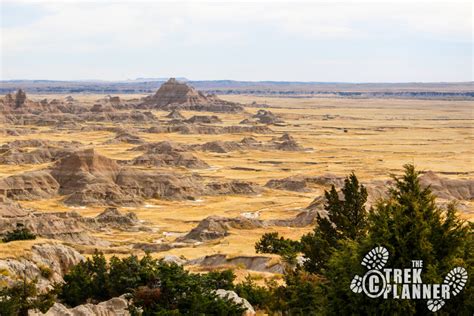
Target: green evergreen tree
[
  {"x": 275, "y": 244},
  {"x": 412, "y": 227},
  {"x": 23, "y": 296},
  {"x": 346, "y": 219}
]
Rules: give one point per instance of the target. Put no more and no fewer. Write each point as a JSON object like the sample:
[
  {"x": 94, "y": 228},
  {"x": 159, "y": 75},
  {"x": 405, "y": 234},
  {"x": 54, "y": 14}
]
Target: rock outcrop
[
  {"x": 255, "y": 263},
  {"x": 285, "y": 143},
  {"x": 102, "y": 108},
  {"x": 206, "y": 119},
  {"x": 71, "y": 226},
  {"x": 232, "y": 296},
  {"x": 82, "y": 168},
  {"x": 232, "y": 187},
  {"x": 167, "y": 154},
  {"x": 177, "y": 95},
  {"x": 125, "y": 137},
  {"x": 302, "y": 183},
  {"x": 147, "y": 185},
  {"x": 29, "y": 186},
  {"x": 57, "y": 258},
  {"x": 10, "y": 209},
  {"x": 264, "y": 117},
  {"x": 215, "y": 227},
  {"x": 37, "y": 156},
  {"x": 448, "y": 189},
  {"x": 117, "y": 306},
  {"x": 175, "y": 115}
]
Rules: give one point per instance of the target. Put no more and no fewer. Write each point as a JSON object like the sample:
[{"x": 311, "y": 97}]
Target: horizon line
[{"x": 234, "y": 80}]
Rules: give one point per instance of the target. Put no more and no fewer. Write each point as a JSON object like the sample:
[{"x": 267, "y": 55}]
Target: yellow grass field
[{"x": 372, "y": 137}]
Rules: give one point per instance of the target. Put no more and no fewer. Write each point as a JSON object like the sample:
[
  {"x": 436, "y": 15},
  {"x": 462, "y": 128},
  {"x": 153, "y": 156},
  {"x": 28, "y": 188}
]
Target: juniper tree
[
  {"x": 346, "y": 219},
  {"x": 411, "y": 226}
]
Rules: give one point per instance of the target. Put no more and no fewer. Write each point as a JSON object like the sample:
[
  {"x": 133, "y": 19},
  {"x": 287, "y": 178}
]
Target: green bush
[
  {"x": 45, "y": 272},
  {"x": 258, "y": 296},
  {"x": 23, "y": 296},
  {"x": 156, "y": 287},
  {"x": 19, "y": 233}
]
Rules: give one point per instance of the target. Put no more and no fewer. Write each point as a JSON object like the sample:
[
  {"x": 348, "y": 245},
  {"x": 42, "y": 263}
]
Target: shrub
[
  {"x": 19, "y": 233},
  {"x": 18, "y": 299},
  {"x": 45, "y": 272},
  {"x": 156, "y": 287}
]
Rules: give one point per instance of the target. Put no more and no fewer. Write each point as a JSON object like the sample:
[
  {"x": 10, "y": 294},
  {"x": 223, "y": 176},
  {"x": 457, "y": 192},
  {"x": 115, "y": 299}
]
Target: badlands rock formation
[
  {"x": 175, "y": 115},
  {"x": 206, "y": 119},
  {"x": 18, "y": 152},
  {"x": 68, "y": 226},
  {"x": 254, "y": 263},
  {"x": 116, "y": 306},
  {"x": 449, "y": 189},
  {"x": 176, "y": 95},
  {"x": 167, "y": 154},
  {"x": 264, "y": 117},
  {"x": 9, "y": 209},
  {"x": 231, "y": 295},
  {"x": 302, "y": 183},
  {"x": 58, "y": 258},
  {"x": 29, "y": 186},
  {"x": 285, "y": 143},
  {"x": 125, "y": 137},
  {"x": 215, "y": 227}
]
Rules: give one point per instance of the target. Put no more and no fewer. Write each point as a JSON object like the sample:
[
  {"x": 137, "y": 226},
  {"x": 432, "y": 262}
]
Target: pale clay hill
[{"x": 196, "y": 179}]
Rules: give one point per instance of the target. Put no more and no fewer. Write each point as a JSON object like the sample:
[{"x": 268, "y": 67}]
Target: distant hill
[{"x": 441, "y": 90}]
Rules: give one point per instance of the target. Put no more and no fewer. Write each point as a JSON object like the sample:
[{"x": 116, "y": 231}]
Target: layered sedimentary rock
[
  {"x": 85, "y": 177},
  {"x": 146, "y": 185},
  {"x": 167, "y": 154},
  {"x": 29, "y": 186},
  {"x": 55, "y": 257},
  {"x": 175, "y": 115},
  {"x": 232, "y": 187},
  {"x": 177, "y": 95},
  {"x": 255, "y": 263},
  {"x": 206, "y": 119},
  {"x": 10, "y": 209},
  {"x": 264, "y": 117},
  {"x": 125, "y": 137},
  {"x": 284, "y": 143},
  {"x": 214, "y": 227},
  {"x": 81, "y": 168},
  {"x": 70, "y": 226},
  {"x": 117, "y": 306},
  {"x": 449, "y": 189},
  {"x": 302, "y": 183}
]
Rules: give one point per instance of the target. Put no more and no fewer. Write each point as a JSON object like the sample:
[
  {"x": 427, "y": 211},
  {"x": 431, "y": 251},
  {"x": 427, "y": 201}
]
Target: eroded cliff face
[
  {"x": 55, "y": 258},
  {"x": 116, "y": 306},
  {"x": 178, "y": 95}
]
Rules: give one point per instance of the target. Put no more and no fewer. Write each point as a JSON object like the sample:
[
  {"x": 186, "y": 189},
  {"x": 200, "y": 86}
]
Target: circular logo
[{"x": 374, "y": 283}]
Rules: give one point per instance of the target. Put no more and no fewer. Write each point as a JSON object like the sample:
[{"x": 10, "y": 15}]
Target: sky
[{"x": 330, "y": 41}]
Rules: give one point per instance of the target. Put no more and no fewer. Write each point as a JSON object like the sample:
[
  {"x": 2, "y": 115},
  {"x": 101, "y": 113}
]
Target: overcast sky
[{"x": 348, "y": 41}]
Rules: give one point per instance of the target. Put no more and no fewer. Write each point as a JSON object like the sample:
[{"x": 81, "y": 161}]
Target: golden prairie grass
[{"x": 372, "y": 137}]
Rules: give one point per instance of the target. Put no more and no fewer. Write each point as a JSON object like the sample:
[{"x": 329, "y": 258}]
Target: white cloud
[{"x": 107, "y": 27}]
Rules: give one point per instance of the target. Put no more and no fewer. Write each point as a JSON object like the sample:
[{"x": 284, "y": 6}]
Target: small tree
[
  {"x": 273, "y": 243},
  {"x": 23, "y": 296},
  {"x": 412, "y": 227},
  {"x": 346, "y": 219}
]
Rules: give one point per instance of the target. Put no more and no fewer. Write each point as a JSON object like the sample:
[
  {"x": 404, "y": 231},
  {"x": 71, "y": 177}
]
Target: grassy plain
[{"x": 372, "y": 137}]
